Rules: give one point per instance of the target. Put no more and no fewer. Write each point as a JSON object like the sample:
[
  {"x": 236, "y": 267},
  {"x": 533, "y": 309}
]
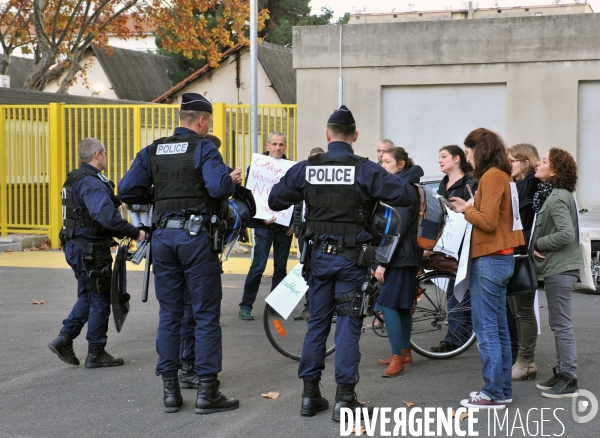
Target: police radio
[{"x": 217, "y": 235}]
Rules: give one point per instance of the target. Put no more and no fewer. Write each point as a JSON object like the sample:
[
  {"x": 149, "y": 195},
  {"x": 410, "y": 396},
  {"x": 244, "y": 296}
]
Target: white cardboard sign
[
  {"x": 284, "y": 298},
  {"x": 264, "y": 173},
  {"x": 452, "y": 236}
]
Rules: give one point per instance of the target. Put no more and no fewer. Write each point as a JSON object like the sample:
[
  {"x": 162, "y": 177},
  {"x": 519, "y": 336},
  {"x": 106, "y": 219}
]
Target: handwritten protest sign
[
  {"x": 288, "y": 293},
  {"x": 452, "y": 237},
  {"x": 265, "y": 172}
]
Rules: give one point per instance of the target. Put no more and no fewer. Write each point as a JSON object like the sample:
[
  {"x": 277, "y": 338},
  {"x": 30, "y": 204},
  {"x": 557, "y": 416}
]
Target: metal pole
[
  {"x": 341, "y": 80},
  {"x": 253, "y": 79}
]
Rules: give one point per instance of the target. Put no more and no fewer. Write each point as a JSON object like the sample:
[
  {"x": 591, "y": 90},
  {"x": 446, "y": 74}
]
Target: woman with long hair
[
  {"x": 457, "y": 182},
  {"x": 523, "y": 158},
  {"x": 398, "y": 277},
  {"x": 492, "y": 246},
  {"x": 557, "y": 257}
]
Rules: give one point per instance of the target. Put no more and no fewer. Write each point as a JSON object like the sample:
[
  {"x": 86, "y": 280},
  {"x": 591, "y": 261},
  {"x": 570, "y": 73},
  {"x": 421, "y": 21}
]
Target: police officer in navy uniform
[
  {"x": 191, "y": 184},
  {"x": 91, "y": 219},
  {"x": 340, "y": 190}
]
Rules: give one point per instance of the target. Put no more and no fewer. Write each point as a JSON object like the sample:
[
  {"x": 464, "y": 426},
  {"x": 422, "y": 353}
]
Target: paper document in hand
[{"x": 284, "y": 298}]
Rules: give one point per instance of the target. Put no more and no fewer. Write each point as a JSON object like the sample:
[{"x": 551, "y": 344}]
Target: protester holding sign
[
  {"x": 458, "y": 177},
  {"x": 491, "y": 251},
  {"x": 270, "y": 228}
]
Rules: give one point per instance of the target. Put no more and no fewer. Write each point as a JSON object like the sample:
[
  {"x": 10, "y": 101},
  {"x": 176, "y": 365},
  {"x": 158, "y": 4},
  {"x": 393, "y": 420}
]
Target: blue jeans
[
  {"x": 263, "y": 239},
  {"x": 489, "y": 277}
]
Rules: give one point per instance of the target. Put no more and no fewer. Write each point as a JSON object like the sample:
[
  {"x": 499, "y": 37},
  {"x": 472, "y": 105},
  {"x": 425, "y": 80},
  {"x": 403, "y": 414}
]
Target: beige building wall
[
  {"x": 541, "y": 60},
  {"x": 463, "y": 14},
  {"x": 219, "y": 85},
  {"x": 95, "y": 79}
]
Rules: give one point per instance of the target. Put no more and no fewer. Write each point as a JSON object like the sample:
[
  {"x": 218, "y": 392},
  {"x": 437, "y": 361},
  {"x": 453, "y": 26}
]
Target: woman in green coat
[{"x": 557, "y": 258}]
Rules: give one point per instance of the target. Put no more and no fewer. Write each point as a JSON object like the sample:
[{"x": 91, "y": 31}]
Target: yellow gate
[{"x": 38, "y": 147}]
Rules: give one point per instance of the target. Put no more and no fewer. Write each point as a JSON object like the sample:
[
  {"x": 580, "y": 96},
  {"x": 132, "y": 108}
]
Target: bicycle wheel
[
  {"x": 431, "y": 318},
  {"x": 287, "y": 335}
]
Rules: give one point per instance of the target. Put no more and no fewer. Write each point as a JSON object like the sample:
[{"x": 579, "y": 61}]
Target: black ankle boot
[
  {"x": 345, "y": 397},
  {"x": 210, "y": 400},
  {"x": 312, "y": 402},
  {"x": 172, "y": 394},
  {"x": 188, "y": 379},
  {"x": 100, "y": 359},
  {"x": 62, "y": 346}
]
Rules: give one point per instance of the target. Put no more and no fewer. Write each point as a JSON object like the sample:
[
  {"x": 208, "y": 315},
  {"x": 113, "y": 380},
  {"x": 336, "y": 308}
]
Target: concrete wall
[
  {"x": 542, "y": 61},
  {"x": 462, "y": 14}
]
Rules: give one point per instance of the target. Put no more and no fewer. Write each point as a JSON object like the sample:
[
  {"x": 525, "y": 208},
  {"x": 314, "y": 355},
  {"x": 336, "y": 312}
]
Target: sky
[{"x": 341, "y": 6}]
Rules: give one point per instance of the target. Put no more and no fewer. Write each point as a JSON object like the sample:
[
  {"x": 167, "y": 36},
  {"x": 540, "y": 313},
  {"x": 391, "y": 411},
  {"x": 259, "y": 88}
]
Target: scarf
[{"x": 544, "y": 190}]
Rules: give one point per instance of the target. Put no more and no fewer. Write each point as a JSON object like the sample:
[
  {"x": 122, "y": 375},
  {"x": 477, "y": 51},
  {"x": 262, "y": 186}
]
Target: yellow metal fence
[{"x": 38, "y": 147}]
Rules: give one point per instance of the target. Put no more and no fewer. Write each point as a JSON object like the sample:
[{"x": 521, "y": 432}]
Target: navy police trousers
[
  {"x": 181, "y": 261},
  {"x": 91, "y": 308},
  {"x": 331, "y": 276}
]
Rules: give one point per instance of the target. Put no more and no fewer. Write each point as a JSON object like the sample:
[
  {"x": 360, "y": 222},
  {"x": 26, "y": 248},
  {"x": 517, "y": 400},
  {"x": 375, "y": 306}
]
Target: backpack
[{"x": 432, "y": 218}]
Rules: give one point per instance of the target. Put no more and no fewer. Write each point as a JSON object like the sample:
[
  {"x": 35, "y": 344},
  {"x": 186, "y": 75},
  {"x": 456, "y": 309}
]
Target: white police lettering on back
[
  {"x": 171, "y": 148},
  {"x": 330, "y": 174}
]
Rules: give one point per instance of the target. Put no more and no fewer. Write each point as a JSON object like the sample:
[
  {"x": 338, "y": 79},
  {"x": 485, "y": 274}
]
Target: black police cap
[
  {"x": 195, "y": 102},
  {"x": 342, "y": 116}
]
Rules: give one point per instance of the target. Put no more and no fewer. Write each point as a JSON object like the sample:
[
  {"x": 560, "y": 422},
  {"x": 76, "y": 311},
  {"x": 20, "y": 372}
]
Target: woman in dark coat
[
  {"x": 398, "y": 277},
  {"x": 523, "y": 158},
  {"x": 457, "y": 183}
]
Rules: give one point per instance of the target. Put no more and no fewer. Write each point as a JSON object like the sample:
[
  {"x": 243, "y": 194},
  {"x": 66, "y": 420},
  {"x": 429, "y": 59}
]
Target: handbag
[
  {"x": 438, "y": 261},
  {"x": 523, "y": 280}
]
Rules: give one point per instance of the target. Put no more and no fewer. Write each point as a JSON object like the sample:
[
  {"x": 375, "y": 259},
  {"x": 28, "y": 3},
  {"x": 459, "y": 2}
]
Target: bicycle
[
  {"x": 431, "y": 316},
  {"x": 430, "y": 319},
  {"x": 287, "y": 336}
]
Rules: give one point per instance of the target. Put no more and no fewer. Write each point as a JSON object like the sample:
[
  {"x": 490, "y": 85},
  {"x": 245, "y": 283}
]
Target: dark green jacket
[{"x": 556, "y": 235}]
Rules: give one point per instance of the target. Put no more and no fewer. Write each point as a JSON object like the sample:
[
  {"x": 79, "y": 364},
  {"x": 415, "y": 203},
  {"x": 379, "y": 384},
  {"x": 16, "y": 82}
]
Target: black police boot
[
  {"x": 101, "y": 359},
  {"x": 172, "y": 394},
  {"x": 312, "y": 402},
  {"x": 345, "y": 397},
  {"x": 210, "y": 400},
  {"x": 62, "y": 346},
  {"x": 188, "y": 379}
]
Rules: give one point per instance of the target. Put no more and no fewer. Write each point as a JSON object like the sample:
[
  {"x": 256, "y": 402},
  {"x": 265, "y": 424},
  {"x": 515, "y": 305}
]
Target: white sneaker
[
  {"x": 508, "y": 400},
  {"x": 479, "y": 400}
]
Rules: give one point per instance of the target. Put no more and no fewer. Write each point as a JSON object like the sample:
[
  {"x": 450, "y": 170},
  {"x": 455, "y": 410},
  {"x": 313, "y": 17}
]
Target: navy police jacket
[
  {"x": 373, "y": 182},
  {"x": 97, "y": 198},
  {"x": 133, "y": 188}
]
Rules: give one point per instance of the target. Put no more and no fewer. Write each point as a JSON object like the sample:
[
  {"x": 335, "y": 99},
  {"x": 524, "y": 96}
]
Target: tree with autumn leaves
[{"x": 59, "y": 32}]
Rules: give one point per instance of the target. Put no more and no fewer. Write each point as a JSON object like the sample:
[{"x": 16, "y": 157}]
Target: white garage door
[
  {"x": 423, "y": 118},
  {"x": 588, "y": 145}
]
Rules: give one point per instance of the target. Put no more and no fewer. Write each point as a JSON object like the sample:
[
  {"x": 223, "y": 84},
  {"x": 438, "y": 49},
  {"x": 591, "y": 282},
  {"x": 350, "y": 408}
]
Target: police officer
[
  {"x": 90, "y": 220},
  {"x": 340, "y": 190},
  {"x": 191, "y": 183}
]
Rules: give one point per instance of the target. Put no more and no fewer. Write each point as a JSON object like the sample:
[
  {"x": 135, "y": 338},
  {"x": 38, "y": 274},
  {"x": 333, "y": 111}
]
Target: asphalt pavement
[{"x": 40, "y": 396}]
